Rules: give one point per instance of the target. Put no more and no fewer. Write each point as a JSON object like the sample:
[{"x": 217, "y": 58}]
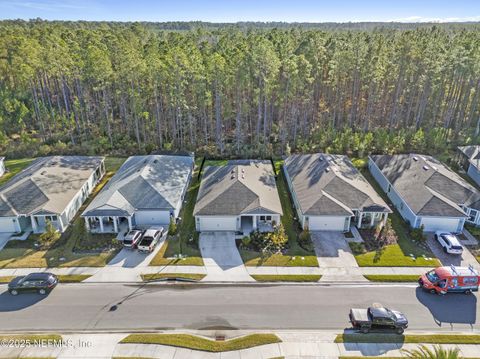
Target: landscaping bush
[
  {"x": 50, "y": 235},
  {"x": 357, "y": 248},
  {"x": 305, "y": 240},
  {"x": 172, "y": 227},
  {"x": 267, "y": 242},
  {"x": 417, "y": 234}
]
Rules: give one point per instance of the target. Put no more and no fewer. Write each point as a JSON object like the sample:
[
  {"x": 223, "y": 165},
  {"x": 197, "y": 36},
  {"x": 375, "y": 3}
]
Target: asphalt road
[{"x": 129, "y": 307}]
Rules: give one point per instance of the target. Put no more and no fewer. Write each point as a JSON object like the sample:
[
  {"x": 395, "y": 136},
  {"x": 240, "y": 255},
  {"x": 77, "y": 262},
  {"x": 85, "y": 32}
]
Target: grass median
[
  {"x": 70, "y": 278},
  {"x": 21, "y": 338},
  {"x": 409, "y": 338},
  {"x": 203, "y": 344},
  {"x": 392, "y": 277},
  {"x": 163, "y": 276},
  {"x": 287, "y": 278}
]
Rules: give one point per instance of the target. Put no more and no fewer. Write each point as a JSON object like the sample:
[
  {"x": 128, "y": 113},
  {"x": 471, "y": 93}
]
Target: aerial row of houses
[{"x": 327, "y": 191}]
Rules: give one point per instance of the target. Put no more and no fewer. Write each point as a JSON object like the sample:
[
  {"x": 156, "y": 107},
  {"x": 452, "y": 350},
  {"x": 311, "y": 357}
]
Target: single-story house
[
  {"x": 426, "y": 192},
  {"x": 469, "y": 159},
  {"x": 145, "y": 191},
  {"x": 240, "y": 197},
  {"x": 330, "y": 194},
  {"x": 2, "y": 166},
  {"x": 49, "y": 189}
]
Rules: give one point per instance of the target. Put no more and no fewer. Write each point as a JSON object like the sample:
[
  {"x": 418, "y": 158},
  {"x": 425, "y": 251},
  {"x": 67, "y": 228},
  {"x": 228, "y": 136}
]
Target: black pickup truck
[{"x": 378, "y": 319}]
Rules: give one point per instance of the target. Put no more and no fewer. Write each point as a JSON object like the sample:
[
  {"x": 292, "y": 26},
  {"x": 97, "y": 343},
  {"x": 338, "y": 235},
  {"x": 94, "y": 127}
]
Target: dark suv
[{"x": 41, "y": 283}]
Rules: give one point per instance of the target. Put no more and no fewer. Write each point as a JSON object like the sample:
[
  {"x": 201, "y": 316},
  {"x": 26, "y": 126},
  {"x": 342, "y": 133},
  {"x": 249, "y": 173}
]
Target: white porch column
[
  {"x": 359, "y": 222},
  {"x": 34, "y": 224},
  {"x": 129, "y": 223},
  {"x": 115, "y": 224},
  {"x": 385, "y": 216},
  {"x": 87, "y": 223},
  {"x": 254, "y": 222},
  {"x": 372, "y": 221},
  {"x": 100, "y": 219}
]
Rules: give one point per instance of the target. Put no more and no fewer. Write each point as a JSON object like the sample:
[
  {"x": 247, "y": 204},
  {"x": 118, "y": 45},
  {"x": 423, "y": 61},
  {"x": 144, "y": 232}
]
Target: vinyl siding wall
[{"x": 474, "y": 174}]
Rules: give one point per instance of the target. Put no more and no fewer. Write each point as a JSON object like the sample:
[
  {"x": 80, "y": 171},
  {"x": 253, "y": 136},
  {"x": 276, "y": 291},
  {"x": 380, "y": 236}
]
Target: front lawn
[
  {"x": 13, "y": 167},
  {"x": 405, "y": 253},
  {"x": 392, "y": 277},
  {"x": 294, "y": 255},
  {"x": 286, "y": 277},
  {"x": 185, "y": 241},
  {"x": 199, "y": 343},
  {"x": 160, "y": 276}
]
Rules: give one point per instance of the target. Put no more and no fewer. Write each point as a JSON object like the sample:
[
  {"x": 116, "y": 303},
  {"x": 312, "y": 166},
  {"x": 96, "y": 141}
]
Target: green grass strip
[
  {"x": 287, "y": 278},
  {"x": 159, "y": 276},
  {"x": 409, "y": 338},
  {"x": 392, "y": 277},
  {"x": 198, "y": 343}
]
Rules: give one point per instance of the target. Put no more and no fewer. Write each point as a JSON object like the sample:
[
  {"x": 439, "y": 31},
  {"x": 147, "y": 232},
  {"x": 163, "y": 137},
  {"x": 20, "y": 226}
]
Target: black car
[
  {"x": 379, "y": 319},
  {"x": 41, "y": 283}
]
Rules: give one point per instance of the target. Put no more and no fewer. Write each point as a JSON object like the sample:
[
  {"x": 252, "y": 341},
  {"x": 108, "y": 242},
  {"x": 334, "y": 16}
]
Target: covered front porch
[
  {"x": 108, "y": 224},
  {"x": 368, "y": 220},
  {"x": 39, "y": 222},
  {"x": 260, "y": 222}
]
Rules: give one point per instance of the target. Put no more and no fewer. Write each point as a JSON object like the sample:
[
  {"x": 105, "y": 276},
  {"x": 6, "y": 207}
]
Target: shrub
[
  {"x": 50, "y": 235},
  {"x": 386, "y": 234},
  {"x": 172, "y": 227},
  {"x": 246, "y": 241},
  {"x": 357, "y": 248},
  {"x": 418, "y": 234},
  {"x": 304, "y": 238}
]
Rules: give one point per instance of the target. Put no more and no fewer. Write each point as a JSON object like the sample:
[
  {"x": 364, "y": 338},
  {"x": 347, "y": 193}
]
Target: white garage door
[
  {"x": 218, "y": 224},
  {"x": 7, "y": 225},
  {"x": 432, "y": 224},
  {"x": 152, "y": 217},
  {"x": 326, "y": 223}
]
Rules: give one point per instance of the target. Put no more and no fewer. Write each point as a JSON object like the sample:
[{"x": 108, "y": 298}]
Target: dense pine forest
[{"x": 237, "y": 90}]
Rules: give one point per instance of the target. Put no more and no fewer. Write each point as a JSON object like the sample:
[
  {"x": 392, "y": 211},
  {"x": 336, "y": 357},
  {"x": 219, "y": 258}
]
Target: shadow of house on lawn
[{"x": 453, "y": 308}]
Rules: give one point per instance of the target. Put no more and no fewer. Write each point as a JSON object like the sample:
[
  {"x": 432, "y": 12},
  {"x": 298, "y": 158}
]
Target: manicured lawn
[
  {"x": 217, "y": 163},
  {"x": 185, "y": 241},
  {"x": 409, "y": 338},
  {"x": 6, "y": 279},
  {"x": 287, "y": 278},
  {"x": 392, "y": 277},
  {"x": 199, "y": 343},
  {"x": 295, "y": 255},
  {"x": 13, "y": 167},
  {"x": 159, "y": 276},
  {"x": 31, "y": 337},
  {"x": 396, "y": 255}
]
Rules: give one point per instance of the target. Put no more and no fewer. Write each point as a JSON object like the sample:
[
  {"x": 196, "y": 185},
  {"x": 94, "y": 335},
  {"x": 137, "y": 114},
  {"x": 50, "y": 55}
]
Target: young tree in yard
[
  {"x": 172, "y": 227},
  {"x": 50, "y": 235},
  {"x": 385, "y": 234},
  {"x": 423, "y": 352},
  {"x": 277, "y": 239}
]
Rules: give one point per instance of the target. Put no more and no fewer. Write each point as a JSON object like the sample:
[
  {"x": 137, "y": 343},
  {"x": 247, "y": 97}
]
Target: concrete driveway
[
  {"x": 463, "y": 260},
  {"x": 4, "y": 238},
  {"x": 221, "y": 258},
  {"x": 334, "y": 254}
]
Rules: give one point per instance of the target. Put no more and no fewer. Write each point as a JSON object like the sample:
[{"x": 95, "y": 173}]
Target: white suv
[
  {"x": 150, "y": 239},
  {"x": 449, "y": 242}
]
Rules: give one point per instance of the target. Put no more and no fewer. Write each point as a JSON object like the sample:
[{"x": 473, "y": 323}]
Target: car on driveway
[
  {"x": 132, "y": 238},
  {"x": 379, "y": 319},
  {"x": 449, "y": 242},
  {"x": 150, "y": 239},
  {"x": 42, "y": 283}
]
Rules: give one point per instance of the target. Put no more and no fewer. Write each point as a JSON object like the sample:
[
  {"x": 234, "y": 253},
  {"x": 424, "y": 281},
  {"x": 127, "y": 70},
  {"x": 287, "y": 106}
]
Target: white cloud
[{"x": 437, "y": 19}]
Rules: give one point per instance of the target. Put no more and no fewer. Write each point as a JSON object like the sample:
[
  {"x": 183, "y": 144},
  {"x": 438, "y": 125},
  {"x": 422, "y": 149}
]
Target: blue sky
[{"x": 244, "y": 10}]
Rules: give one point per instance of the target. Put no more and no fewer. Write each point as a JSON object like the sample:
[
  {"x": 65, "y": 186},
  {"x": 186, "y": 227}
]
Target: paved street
[{"x": 202, "y": 306}]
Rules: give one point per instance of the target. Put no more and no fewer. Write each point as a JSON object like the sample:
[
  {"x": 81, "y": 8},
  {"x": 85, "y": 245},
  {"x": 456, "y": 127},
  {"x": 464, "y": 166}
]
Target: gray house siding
[{"x": 474, "y": 174}]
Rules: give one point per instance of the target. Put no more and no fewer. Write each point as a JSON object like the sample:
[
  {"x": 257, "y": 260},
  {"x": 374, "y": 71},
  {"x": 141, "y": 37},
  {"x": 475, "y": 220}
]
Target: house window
[
  {"x": 262, "y": 218},
  {"x": 389, "y": 188},
  {"x": 472, "y": 215},
  {"x": 401, "y": 206},
  {"x": 269, "y": 218},
  {"x": 54, "y": 218}
]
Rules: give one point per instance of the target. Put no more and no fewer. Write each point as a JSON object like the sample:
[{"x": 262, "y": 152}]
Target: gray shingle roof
[
  {"x": 47, "y": 185},
  {"x": 143, "y": 182},
  {"x": 427, "y": 186},
  {"x": 240, "y": 187},
  {"x": 327, "y": 184},
  {"x": 472, "y": 152}
]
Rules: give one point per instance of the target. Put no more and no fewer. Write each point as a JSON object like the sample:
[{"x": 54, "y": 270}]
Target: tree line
[{"x": 80, "y": 87}]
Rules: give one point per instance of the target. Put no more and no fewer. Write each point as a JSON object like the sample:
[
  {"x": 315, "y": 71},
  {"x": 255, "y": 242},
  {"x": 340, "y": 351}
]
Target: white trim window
[{"x": 472, "y": 215}]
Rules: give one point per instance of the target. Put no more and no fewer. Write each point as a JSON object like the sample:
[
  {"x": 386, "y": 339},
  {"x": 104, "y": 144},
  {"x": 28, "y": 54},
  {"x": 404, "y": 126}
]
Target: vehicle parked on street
[
  {"x": 132, "y": 238},
  {"x": 443, "y": 280},
  {"x": 449, "y": 242},
  {"x": 150, "y": 239},
  {"x": 42, "y": 283},
  {"x": 378, "y": 319}
]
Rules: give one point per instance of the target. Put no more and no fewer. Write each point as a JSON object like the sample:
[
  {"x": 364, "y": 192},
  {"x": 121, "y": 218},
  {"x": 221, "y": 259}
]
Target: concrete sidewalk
[
  {"x": 126, "y": 274},
  {"x": 298, "y": 344}
]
